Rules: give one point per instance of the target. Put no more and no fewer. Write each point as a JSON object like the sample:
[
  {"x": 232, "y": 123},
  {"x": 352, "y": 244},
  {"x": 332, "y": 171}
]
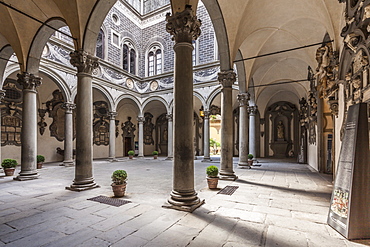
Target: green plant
[
  {"x": 9, "y": 163},
  {"x": 155, "y": 153},
  {"x": 250, "y": 156},
  {"x": 119, "y": 176},
  {"x": 212, "y": 171},
  {"x": 40, "y": 158},
  {"x": 131, "y": 152}
]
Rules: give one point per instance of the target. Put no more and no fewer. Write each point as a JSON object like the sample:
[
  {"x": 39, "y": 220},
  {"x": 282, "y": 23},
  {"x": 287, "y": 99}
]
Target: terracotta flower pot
[
  {"x": 130, "y": 157},
  {"x": 212, "y": 182},
  {"x": 39, "y": 165},
  {"x": 155, "y": 157},
  {"x": 250, "y": 162},
  {"x": 9, "y": 171},
  {"x": 119, "y": 189}
]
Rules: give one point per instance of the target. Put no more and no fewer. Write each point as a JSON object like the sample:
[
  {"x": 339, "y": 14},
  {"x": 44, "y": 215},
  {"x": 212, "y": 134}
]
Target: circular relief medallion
[
  {"x": 130, "y": 83},
  {"x": 153, "y": 85}
]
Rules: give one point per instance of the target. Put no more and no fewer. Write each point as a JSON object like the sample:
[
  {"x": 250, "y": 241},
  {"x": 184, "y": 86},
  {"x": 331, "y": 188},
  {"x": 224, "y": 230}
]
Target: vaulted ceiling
[{"x": 256, "y": 27}]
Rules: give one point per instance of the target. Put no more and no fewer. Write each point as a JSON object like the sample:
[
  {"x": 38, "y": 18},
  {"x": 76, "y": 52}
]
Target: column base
[
  {"x": 86, "y": 184},
  {"x": 169, "y": 158},
  {"x": 28, "y": 175},
  {"x": 206, "y": 159},
  {"x": 228, "y": 176},
  {"x": 244, "y": 164},
  {"x": 112, "y": 159},
  {"x": 68, "y": 163},
  {"x": 187, "y": 202}
]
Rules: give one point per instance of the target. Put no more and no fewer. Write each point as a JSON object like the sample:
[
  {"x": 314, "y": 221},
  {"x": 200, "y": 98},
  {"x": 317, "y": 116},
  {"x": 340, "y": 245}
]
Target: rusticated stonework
[
  {"x": 84, "y": 62},
  {"x": 183, "y": 26},
  {"x": 227, "y": 78}
]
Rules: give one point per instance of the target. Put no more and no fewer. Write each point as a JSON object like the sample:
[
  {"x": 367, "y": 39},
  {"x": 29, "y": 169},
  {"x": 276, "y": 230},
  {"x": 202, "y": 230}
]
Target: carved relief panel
[
  {"x": 11, "y": 113},
  {"x": 101, "y": 123}
]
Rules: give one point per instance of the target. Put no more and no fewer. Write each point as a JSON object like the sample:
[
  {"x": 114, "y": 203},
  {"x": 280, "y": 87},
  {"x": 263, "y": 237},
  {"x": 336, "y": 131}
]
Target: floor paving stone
[{"x": 279, "y": 203}]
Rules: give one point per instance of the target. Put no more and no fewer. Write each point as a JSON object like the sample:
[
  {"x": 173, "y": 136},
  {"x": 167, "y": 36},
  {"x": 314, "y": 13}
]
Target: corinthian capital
[
  {"x": 183, "y": 26},
  {"x": 69, "y": 107},
  {"x": 29, "y": 81},
  {"x": 83, "y": 61},
  {"x": 227, "y": 78},
  {"x": 243, "y": 99},
  {"x": 252, "y": 110}
]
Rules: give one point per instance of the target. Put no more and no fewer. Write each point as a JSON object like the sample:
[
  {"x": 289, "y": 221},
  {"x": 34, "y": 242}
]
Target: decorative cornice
[
  {"x": 29, "y": 81},
  {"x": 69, "y": 107},
  {"x": 84, "y": 62},
  {"x": 183, "y": 26},
  {"x": 243, "y": 99},
  {"x": 227, "y": 78}
]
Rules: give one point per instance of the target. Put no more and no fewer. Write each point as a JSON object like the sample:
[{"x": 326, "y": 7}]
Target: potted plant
[
  {"x": 131, "y": 154},
  {"x": 212, "y": 177},
  {"x": 155, "y": 154},
  {"x": 9, "y": 166},
  {"x": 119, "y": 182},
  {"x": 40, "y": 160},
  {"x": 250, "y": 159}
]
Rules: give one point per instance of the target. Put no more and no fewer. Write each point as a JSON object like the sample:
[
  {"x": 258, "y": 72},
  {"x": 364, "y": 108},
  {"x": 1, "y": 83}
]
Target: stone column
[
  {"x": 85, "y": 64},
  {"x": 226, "y": 79},
  {"x": 207, "y": 156},
  {"x": 185, "y": 28},
  {"x": 2, "y": 94},
  {"x": 243, "y": 99},
  {"x": 112, "y": 136},
  {"x": 170, "y": 137},
  {"x": 252, "y": 130},
  {"x": 140, "y": 121},
  {"x": 68, "y": 134},
  {"x": 29, "y": 126}
]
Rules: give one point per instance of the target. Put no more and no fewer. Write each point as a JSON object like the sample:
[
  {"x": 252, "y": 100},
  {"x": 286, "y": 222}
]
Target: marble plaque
[{"x": 349, "y": 211}]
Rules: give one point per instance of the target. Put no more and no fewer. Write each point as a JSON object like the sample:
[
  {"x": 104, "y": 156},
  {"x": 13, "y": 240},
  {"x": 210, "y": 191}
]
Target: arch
[
  {"x": 59, "y": 81},
  {"x": 201, "y": 98},
  {"x": 155, "y": 98},
  {"x": 39, "y": 42},
  {"x": 6, "y": 52},
  {"x": 106, "y": 94},
  {"x": 212, "y": 96},
  {"x": 215, "y": 13},
  {"x": 131, "y": 97},
  {"x": 242, "y": 78},
  {"x": 94, "y": 23}
]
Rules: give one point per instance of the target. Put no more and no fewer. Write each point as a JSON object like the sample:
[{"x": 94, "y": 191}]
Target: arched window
[
  {"x": 129, "y": 58},
  {"x": 100, "y": 45},
  {"x": 195, "y": 53},
  {"x": 154, "y": 61}
]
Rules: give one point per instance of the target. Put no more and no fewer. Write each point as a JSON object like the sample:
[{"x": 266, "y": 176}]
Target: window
[
  {"x": 100, "y": 45},
  {"x": 155, "y": 61},
  {"x": 129, "y": 57},
  {"x": 195, "y": 52}
]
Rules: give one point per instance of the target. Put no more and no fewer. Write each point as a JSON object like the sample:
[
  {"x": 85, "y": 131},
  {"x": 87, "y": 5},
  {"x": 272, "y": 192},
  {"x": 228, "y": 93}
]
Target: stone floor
[{"x": 279, "y": 203}]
